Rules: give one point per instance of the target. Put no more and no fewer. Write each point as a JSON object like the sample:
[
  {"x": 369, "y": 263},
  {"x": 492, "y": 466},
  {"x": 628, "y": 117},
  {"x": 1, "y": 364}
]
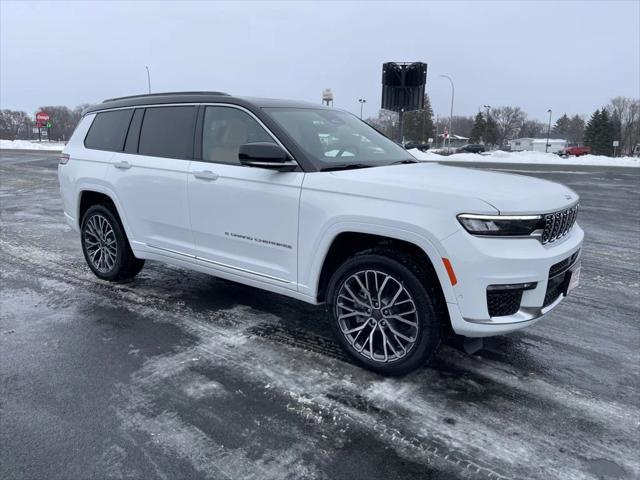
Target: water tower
[{"x": 327, "y": 97}]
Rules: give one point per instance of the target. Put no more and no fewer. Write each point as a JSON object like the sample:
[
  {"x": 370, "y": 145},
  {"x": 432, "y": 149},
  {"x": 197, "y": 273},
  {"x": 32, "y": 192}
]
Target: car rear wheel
[
  {"x": 105, "y": 246},
  {"x": 384, "y": 313}
]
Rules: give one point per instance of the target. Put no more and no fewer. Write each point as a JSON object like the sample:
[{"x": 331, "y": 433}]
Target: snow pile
[
  {"x": 30, "y": 145},
  {"x": 528, "y": 157}
]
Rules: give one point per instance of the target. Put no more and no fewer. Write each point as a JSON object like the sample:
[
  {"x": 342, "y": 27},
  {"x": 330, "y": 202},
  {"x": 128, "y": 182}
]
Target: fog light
[{"x": 503, "y": 300}]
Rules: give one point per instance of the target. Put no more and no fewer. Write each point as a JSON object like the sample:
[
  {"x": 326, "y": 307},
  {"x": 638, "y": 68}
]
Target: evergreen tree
[
  {"x": 479, "y": 126},
  {"x": 590, "y": 129},
  {"x": 598, "y": 133},
  {"x": 418, "y": 124},
  {"x": 491, "y": 131},
  {"x": 605, "y": 134},
  {"x": 575, "y": 133},
  {"x": 562, "y": 126}
]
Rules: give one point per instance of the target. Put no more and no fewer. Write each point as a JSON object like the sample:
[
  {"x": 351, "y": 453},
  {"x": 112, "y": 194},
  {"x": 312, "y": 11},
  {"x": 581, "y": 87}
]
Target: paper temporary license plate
[{"x": 575, "y": 279}]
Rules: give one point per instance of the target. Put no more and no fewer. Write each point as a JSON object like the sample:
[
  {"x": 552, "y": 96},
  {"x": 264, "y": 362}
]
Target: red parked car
[{"x": 574, "y": 151}]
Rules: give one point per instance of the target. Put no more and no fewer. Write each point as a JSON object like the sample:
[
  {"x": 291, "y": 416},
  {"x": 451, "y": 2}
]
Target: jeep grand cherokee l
[{"x": 312, "y": 203}]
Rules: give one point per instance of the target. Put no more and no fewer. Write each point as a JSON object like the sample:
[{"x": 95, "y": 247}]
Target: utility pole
[
  {"x": 451, "y": 112},
  {"x": 546, "y": 147},
  {"x": 362, "y": 102},
  {"x": 148, "y": 79}
]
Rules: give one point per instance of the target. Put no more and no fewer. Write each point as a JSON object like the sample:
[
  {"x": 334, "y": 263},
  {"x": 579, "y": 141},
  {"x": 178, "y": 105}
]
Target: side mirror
[{"x": 265, "y": 155}]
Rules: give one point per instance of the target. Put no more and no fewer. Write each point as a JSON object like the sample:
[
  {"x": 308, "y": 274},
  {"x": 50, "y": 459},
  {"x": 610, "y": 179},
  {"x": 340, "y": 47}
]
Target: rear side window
[
  {"x": 109, "y": 130},
  {"x": 168, "y": 132}
]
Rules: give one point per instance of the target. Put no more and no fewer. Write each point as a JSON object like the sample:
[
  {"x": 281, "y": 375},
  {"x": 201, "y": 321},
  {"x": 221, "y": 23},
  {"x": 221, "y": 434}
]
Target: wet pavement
[{"x": 181, "y": 375}]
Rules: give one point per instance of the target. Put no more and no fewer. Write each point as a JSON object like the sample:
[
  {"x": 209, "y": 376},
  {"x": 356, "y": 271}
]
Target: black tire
[
  {"x": 419, "y": 288},
  {"x": 122, "y": 264}
]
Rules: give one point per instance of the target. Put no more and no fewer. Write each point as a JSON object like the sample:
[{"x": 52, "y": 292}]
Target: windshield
[{"x": 334, "y": 138}]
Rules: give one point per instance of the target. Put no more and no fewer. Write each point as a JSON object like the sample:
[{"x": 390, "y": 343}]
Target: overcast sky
[{"x": 569, "y": 56}]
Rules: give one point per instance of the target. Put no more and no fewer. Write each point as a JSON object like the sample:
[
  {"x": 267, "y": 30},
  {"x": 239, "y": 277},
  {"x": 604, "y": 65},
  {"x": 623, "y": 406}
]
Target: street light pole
[
  {"x": 546, "y": 147},
  {"x": 362, "y": 102},
  {"x": 148, "y": 79},
  {"x": 451, "y": 112}
]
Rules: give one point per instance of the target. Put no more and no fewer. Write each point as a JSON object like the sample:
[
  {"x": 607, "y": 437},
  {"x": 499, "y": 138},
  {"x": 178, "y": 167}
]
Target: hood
[{"x": 508, "y": 193}]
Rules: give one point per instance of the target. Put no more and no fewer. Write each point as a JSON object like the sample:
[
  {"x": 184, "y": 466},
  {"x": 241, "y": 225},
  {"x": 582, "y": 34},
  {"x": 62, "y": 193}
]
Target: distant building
[
  {"x": 456, "y": 140},
  {"x": 537, "y": 144}
]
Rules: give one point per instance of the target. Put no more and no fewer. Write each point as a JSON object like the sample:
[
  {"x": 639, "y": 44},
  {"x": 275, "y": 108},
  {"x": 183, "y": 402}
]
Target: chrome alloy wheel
[
  {"x": 100, "y": 243},
  {"x": 377, "y": 315}
]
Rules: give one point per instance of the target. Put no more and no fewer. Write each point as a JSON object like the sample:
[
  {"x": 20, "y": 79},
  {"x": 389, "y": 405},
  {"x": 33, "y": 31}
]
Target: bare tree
[
  {"x": 462, "y": 126},
  {"x": 15, "y": 125},
  {"x": 626, "y": 112},
  {"x": 386, "y": 123},
  {"x": 508, "y": 121},
  {"x": 532, "y": 129},
  {"x": 63, "y": 121}
]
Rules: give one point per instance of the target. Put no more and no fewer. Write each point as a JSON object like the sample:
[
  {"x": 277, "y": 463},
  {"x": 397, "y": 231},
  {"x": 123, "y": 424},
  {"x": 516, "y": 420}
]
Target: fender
[
  {"x": 330, "y": 233},
  {"x": 101, "y": 186}
]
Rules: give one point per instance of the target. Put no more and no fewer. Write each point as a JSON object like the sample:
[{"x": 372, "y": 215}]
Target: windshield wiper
[
  {"x": 400, "y": 162},
  {"x": 345, "y": 166}
]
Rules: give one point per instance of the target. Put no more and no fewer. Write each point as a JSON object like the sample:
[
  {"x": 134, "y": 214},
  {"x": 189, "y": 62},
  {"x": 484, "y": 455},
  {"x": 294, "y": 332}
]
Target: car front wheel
[{"x": 384, "y": 313}]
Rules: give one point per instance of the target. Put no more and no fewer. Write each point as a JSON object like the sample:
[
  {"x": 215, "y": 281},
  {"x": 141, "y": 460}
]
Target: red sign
[
  {"x": 446, "y": 132},
  {"x": 42, "y": 117}
]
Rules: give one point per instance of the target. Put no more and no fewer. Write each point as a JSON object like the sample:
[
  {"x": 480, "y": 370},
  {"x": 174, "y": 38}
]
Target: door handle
[
  {"x": 206, "y": 175},
  {"x": 124, "y": 165}
]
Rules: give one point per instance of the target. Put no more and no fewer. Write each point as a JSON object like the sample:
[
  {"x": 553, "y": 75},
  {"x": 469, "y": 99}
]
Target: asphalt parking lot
[{"x": 180, "y": 375}]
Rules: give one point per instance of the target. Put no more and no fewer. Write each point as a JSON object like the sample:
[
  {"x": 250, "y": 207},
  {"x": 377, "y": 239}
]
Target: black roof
[{"x": 196, "y": 97}]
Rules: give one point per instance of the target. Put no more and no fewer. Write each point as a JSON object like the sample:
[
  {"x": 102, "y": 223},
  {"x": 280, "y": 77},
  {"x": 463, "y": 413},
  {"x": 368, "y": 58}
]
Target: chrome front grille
[{"x": 558, "y": 224}]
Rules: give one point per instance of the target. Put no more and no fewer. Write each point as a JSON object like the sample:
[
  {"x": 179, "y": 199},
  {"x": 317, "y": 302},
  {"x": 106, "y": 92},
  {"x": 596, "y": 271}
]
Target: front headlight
[{"x": 502, "y": 225}]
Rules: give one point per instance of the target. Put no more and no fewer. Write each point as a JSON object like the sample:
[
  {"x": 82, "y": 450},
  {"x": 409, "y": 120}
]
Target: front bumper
[{"x": 480, "y": 262}]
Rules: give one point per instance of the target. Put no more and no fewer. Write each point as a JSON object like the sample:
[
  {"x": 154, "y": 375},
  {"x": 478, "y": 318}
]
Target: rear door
[
  {"x": 150, "y": 178},
  {"x": 244, "y": 219}
]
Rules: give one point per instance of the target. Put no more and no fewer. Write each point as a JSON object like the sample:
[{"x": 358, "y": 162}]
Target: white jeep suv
[{"x": 312, "y": 203}]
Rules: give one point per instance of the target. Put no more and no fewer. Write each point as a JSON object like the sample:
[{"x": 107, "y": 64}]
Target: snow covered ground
[
  {"x": 30, "y": 145},
  {"x": 528, "y": 158},
  {"x": 211, "y": 379}
]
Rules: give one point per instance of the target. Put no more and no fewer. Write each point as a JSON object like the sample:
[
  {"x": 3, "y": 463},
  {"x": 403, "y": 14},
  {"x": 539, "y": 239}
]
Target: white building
[
  {"x": 456, "y": 140},
  {"x": 537, "y": 144}
]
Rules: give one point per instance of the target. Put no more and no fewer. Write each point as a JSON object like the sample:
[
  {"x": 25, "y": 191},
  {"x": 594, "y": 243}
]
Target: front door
[{"x": 244, "y": 219}]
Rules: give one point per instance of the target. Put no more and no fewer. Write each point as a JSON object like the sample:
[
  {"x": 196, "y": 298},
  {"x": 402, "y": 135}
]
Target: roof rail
[{"x": 161, "y": 94}]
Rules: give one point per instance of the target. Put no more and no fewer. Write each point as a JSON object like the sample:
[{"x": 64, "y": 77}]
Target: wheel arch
[
  {"x": 98, "y": 195},
  {"x": 347, "y": 243}
]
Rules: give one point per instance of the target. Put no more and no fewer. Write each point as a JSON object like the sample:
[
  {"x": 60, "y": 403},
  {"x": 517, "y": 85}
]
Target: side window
[
  {"x": 108, "y": 130},
  {"x": 224, "y": 130},
  {"x": 168, "y": 132}
]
